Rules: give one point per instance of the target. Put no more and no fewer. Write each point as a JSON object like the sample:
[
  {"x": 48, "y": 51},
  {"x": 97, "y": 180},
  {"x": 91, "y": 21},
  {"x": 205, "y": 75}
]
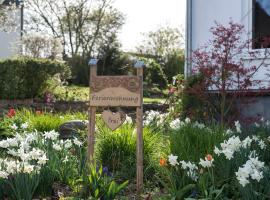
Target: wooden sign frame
[{"x": 101, "y": 96}]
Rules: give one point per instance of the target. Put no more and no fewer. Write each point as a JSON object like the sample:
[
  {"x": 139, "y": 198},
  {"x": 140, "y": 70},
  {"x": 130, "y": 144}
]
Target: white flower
[
  {"x": 187, "y": 120},
  {"x": 12, "y": 152},
  {"x": 192, "y": 168},
  {"x": 56, "y": 147},
  {"x": 237, "y": 126},
  {"x": 228, "y": 147},
  {"x": 246, "y": 142},
  {"x": 173, "y": 160},
  {"x": 35, "y": 153},
  {"x": 262, "y": 144},
  {"x": 206, "y": 163},
  {"x": 253, "y": 169},
  {"x": 42, "y": 160},
  {"x": 217, "y": 151},
  {"x": 77, "y": 142},
  {"x": 198, "y": 125},
  {"x": 27, "y": 168},
  {"x": 128, "y": 120},
  {"x": 68, "y": 144},
  {"x": 4, "y": 144},
  {"x": 14, "y": 127},
  {"x": 24, "y": 125},
  {"x": 11, "y": 167},
  {"x": 176, "y": 124},
  {"x": 65, "y": 160},
  {"x": 256, "y": 124},
  {"x": 150, "y": 117},
  {"x": 52, "y": 135},
  {"x": 255, "y": 138},
  {"x": 229, "y": 132},
  {"x": 3, "y": 174},
  {"x": 257, "y": 175}
]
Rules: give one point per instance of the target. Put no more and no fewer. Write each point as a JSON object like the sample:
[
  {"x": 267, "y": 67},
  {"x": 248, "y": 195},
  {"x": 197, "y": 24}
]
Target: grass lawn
[{"x": 81, "y": 93}]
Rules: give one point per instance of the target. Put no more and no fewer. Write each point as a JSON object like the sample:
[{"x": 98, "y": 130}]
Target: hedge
[{"x": 23, "y": 77}]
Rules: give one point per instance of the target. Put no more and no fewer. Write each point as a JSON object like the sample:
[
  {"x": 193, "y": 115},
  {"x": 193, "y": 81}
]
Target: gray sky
[{"x": 148, "y": 15}]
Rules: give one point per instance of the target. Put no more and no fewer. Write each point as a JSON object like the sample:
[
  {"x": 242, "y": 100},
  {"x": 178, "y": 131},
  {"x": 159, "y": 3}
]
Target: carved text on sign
[{"x": 113, "y": 120}]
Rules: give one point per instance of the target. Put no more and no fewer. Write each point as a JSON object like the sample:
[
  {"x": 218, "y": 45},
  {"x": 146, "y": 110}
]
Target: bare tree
[
  {"x": 9, "y": 17},
  {"x": 80, "y": 24}
]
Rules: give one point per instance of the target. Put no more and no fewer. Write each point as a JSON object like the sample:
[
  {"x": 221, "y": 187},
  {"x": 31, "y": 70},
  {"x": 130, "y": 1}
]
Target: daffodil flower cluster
[
  {"x": 234, "y": 144},
  {"x": 177, "y": 124},
  {"x": 252, "y": 169},
  {"x": 206, "y": 163},
  {"x": 152, "y": 116},
  {"x": 189, "y": 166},
  {"x": 22, "y": 155},
  {"x": 25, "y": 153}
]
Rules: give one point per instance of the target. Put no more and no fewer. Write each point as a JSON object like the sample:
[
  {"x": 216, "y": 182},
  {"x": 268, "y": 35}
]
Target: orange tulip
[
  {"x": 209, "y": 157},
  {"x": 162, "y": 162}
]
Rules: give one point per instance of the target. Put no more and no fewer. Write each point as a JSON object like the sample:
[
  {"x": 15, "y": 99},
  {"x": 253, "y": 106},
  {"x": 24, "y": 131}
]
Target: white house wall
[{"x": 205, "y": 12}]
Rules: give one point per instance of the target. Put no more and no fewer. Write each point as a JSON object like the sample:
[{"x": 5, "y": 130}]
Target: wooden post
[
  {"x": 91, "y": 114},
  {"x": 139, "y": 120}
]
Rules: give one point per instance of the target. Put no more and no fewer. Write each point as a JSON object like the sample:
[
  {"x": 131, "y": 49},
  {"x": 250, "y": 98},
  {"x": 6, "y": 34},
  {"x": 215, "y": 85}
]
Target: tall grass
[
  {"x": 117, "y": 150},
  {"x": 192, "y": 143}
]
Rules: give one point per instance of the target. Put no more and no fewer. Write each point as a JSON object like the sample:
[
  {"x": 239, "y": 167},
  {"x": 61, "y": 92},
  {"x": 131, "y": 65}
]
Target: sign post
[{"x": 117, "y": 91}]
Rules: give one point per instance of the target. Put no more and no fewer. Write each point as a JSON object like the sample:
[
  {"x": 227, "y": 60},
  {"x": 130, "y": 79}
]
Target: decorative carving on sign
[
  {"x": 131, "y": 83},
  {"x": 113, "y": 120}
]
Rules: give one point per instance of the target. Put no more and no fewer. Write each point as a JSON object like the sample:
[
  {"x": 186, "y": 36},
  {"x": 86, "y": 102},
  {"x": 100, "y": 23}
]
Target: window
[{"x": 261, "y": 24}]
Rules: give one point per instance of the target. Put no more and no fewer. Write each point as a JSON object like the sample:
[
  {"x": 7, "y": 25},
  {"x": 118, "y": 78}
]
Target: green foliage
[
  {"x": 26, "y": 77},
  {"x": 24, "y": 185},
  {"x": 117, "y": 150},
  {"x": 45, "y": 121},
  {"x": 164, "y": 45},
  {"x": 192, "y": 143},
  {"x": 154, "y": 74},
  {"x": 71, "y": 93},
  {"x": 174, "y": 64},
  {"x": 99, "y": 185}
]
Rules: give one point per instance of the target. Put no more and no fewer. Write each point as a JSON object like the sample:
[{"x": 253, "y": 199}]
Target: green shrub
[
  {"x": 25, "y": 77},
  {"x": 154, "y": 74},
  {"x": 117, "y": 150}
]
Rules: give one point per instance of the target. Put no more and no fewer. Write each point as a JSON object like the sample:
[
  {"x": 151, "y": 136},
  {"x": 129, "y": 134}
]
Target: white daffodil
[
  {"x": 24, "y": 125},
  {"x": 42, "y": 160},
  {"x": 52, "y": 135},
  {"x": 173, "y": 160},
  {"x": 3, "y": 174},
  {"x": 77, "y": 142},
  {"x": 56, "y": 147},
  {"x": 206, "y": 163},
  {"x": 14, "y": 127},
  {"x": 237, "y": 126}
]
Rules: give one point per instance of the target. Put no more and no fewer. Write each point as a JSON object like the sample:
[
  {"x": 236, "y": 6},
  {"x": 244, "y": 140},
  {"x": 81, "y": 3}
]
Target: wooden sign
[
  {"x": 113, "y": 120},
  {"x": 113, "y": 91}
]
